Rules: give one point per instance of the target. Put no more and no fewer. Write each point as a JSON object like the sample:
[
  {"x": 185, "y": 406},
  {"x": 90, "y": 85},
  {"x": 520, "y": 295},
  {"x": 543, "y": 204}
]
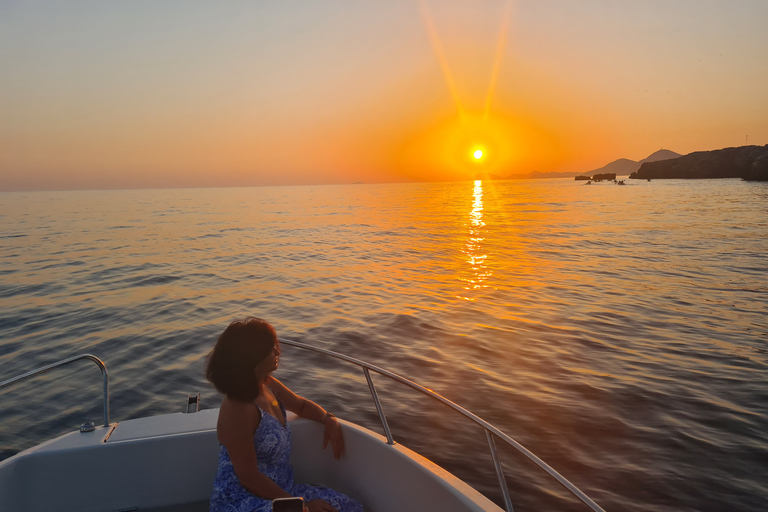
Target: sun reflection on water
[{"x": 476, "y": 255}]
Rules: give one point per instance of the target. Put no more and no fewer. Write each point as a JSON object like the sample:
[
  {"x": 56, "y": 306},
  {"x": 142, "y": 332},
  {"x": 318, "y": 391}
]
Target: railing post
[
  {"x": 499, "y": 471},
  {"x": 384, "y": 423},
  {"x": 490, "y": 429},
  {"x": 63, "y": 362},
  {"x": 105, "y": 376}
]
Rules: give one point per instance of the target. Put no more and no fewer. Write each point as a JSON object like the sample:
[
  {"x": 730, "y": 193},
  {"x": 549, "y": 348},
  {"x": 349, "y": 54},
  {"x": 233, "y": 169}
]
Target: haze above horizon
[{"x": 193, "y": 94}]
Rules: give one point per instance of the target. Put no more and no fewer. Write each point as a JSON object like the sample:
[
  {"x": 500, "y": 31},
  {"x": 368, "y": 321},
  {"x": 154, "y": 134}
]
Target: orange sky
[{"x": 135, "y": 94}]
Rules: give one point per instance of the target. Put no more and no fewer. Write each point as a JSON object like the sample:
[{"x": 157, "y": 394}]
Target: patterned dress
[{"x": 273, "y": 450}]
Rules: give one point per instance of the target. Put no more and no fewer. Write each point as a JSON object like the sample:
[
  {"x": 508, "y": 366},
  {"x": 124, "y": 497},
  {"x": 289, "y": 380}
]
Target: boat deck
[{"x": 167, "y": 463}]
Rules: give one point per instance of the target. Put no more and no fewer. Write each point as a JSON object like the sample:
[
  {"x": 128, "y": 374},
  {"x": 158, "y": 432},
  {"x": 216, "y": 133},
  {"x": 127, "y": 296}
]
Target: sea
[{"x": 620, "y": 333}]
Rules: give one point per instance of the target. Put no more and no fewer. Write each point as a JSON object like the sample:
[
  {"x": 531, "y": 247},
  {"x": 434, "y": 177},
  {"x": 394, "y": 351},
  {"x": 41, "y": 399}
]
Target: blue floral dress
[{"x": 273, "y": 450}]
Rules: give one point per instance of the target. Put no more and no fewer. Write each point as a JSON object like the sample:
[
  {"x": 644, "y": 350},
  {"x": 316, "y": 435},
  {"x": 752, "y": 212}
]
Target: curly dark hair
[{"x": 242, "y": 345}]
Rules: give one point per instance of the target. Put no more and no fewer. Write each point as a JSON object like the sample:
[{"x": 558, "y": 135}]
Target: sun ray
[
  {"x": 477, "y": 136},
  {"x": 437, "y": 47},
  {"x": 500, "y": 44}
]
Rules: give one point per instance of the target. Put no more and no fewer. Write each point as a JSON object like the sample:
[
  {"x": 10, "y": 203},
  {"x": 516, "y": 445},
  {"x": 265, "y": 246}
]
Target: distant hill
[
  {"x": 620, "y": 167},
  {"x": 748, "y": 162},
  {"x": 625, "y": 166},
  {"x": 662, "y": 154}
]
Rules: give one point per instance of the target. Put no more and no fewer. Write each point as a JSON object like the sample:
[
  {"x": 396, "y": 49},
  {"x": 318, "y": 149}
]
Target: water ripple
[{"x": 617, "y": 332}]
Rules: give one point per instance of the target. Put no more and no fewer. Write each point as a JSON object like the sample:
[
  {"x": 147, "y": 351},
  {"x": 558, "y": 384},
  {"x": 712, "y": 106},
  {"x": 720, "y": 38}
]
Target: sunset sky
[{"x": 186, "y": 94}]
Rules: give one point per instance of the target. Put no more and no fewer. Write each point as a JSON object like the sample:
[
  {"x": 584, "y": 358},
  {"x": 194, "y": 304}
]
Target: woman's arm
[
  {"x": 235, "y": 428},
  {"x": 308, "y": 409}
]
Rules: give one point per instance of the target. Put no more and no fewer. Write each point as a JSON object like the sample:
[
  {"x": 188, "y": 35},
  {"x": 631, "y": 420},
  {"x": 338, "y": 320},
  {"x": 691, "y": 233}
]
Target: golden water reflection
[{"x": 476, "y": 255}]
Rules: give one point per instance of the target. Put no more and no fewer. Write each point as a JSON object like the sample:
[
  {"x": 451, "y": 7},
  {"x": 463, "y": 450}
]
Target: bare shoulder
[
  {"x": 275, "y": 385},
  {"x": 291, "y": 400},
  {"x": 236, "y": 420},
  {"x": 281, "y": 390}
]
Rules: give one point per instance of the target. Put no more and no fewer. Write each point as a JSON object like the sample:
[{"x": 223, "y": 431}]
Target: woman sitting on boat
[{"x": 255, "y": 454}]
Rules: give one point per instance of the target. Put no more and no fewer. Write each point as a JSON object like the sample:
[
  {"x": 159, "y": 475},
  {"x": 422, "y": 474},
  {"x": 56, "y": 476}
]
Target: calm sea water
[{"x": 620, "y": 333}]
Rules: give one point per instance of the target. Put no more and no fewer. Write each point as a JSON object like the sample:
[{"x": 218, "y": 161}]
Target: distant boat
[{"x": 582, "y": 178}]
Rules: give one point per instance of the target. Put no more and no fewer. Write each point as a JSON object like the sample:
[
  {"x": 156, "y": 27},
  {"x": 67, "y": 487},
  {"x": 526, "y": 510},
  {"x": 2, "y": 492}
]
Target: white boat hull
[{"x": 167, "y": 463}]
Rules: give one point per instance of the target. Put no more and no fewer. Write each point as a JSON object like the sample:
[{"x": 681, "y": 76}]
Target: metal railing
[
  {"x": 63, "y": 362},
  {"x": 490, "y": 430}
]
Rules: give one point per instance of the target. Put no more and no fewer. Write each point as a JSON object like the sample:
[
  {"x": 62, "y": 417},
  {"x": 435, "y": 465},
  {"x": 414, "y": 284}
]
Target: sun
[{"x": 478, "y": 154}]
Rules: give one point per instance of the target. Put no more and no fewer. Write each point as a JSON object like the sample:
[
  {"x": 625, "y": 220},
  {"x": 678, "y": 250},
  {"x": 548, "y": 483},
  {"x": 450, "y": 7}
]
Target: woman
[{"x": 254, "y": 459}]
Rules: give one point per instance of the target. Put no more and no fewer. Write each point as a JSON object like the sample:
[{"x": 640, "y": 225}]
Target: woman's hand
[
  {"x": 319, "y": 506},
  {"x": 334, "y": 435}
]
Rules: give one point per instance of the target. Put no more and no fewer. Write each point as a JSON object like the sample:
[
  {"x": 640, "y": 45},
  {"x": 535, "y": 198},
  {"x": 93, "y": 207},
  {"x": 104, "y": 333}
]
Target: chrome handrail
[
  {"x": 63, "y": 362},
  {"x": 489, "y": 429}
]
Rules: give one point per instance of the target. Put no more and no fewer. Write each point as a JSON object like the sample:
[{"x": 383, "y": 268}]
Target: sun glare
[{"x": 473, "y": 139}]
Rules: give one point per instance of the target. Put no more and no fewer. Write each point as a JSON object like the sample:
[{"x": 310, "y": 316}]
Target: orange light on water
[{"x": 476, "y": 255}]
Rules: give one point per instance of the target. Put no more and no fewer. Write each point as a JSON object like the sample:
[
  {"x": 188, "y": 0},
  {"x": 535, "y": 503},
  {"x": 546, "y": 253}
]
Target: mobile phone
[{"x": 288, "y": 505}]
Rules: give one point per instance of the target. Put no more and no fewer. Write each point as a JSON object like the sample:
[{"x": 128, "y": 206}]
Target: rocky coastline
[{"x": 746, "y": 162}]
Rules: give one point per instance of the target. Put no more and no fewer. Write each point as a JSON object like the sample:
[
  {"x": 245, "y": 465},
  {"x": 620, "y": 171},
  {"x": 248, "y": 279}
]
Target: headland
[{"x": 747, "y": 162}]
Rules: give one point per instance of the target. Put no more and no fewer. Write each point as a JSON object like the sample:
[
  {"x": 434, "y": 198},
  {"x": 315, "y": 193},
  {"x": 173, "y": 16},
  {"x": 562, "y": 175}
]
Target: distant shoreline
[{"x": 746, "y": 162}]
